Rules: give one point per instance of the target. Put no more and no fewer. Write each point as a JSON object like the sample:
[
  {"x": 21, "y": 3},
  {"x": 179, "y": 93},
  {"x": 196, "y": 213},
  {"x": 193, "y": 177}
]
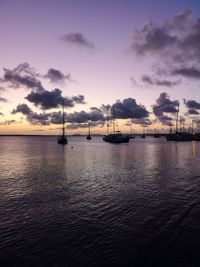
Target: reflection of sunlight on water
[{"x": 97, "y": 198}]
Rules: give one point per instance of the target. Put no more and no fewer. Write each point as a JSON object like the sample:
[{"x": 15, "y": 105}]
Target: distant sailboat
[
  {"x": 143, "y": 135},
  {"x": 62, "y": 139},
  {"x": 116, "y": 137},
  {"x": 89, "y": 136},
  {"x": 156, "y": 134},
  {"x": 182, "y": 136}
]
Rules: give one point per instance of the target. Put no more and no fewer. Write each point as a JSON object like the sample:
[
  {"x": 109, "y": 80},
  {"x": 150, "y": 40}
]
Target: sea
[{"x": 91, "y": 203}]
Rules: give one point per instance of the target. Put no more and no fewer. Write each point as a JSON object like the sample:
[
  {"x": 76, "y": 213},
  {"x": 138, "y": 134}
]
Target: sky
[{"x": 136, "y": 60}]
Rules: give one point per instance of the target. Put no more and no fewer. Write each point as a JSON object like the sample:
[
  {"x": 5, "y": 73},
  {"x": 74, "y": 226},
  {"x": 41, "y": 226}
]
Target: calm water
[{"x": 99, "y": 204}]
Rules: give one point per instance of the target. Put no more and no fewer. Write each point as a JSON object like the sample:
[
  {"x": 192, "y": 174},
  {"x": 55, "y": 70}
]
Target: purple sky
[{"x": 145, "y": 51}]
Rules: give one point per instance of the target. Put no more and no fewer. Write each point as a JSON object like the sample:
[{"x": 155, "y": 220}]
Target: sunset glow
[{"x": 138, "y": 58}]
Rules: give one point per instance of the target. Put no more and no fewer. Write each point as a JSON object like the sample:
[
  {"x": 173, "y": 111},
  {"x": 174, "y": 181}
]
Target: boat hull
[
  {"x": 89, "y": 137},
  {"x": 183, "y": 137},
  {"x": 62, "y": 140},
  {"x": 116, "y": 139}
]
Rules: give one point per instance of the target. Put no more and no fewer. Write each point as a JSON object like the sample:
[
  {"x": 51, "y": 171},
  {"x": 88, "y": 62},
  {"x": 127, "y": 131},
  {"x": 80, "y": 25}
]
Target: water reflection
[{"x": 99, "y": 204}]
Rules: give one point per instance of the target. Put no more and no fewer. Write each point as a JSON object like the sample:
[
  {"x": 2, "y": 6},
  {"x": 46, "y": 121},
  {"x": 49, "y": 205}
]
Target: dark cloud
[
  {"x": 188, "y": 72},
  {"x": 57, "y": 117},
  {"x": 193, "y": 112},
  {"x": 74, "y": 126},
  {"x": 191, "y": 41},
  {"x": 143, "y": 122},
  {"x": 127, "y": 109},
  {"x": 2, "y": 99},
  {"x": 1, "y": 114},
  {"x": 166, "y": 120},
  {"x": 79, "y": 118},
  {"x": 32, "y": 117},
  {"x": 78, "y": 39},
  {"x": 22, "y": 108},
  {"x": 22, "y": 75},
  {"x": 165, "y": 105},
  {"x": 175, "y": 43},
  {"x": 56, "y": 76},
  {"x": 38, "y": 118},
  {"x": 94, "y": 115},
  {"x": 152, "y": 39},
  {"x": 191, "y": 104},
  {"x": 151, "y": 81},
  {"x": 78, "y": 99},
  {"x": 53, "y": 99}
]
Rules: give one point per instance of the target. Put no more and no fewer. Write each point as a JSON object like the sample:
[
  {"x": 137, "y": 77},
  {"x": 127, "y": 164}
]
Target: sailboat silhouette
[
  {"x": 89, "y": 136},
  {"x": 62, "y": 139}
]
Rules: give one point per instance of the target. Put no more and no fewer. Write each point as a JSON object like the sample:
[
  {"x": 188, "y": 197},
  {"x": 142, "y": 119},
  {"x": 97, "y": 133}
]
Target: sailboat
[
  {"x": 143, "y": 135},
  {"x": 62, "y": 139},
  {"x": 156, "y": 134},
  {"x": 181, "y": 136},
  {"x": 116, "y": 137},
  {"x": 131, "y": 135},
  {"x": 89, "y": 136}
]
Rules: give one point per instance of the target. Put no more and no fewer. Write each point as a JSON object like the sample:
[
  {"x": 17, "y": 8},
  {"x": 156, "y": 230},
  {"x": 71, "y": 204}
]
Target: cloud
[
  {"x": 74, "y": 126},
  {"x": 57, "y": 117},
  {"x": 165, "y": 105},
  {"x": 152, "y": 39},
  {"x": 180, "y": 21},
  {"x": 2, "y": 99},
  {"x": 1, "y": 114},
  {"x": 177, "y": 35},
  {"x": 94, "y": 115},
  {"x": 32, "y": 117},
  {"x": 8, "y": 122},
  {"x": 77, "y": 39},
  {"x": 166, "y": 120},
  {"x": 53, "y": 99},
  {"x": 78, "y": 99},
  {"x": 22, "y": 108},
  {"x": 193, "y": 112},
  {"x": 127, "y": 109},
  {"x": 173, "y": 44},
  {"x": 188, "y": 72},
  {"x": 145, "y": 122},
  {"x": 22, "y": 75},
  {"x": 167, "y": 83},
  {"x": 38, "y": 118},
  {"x": 56, "y": 76},
  {"x": 191, "y": 104}
]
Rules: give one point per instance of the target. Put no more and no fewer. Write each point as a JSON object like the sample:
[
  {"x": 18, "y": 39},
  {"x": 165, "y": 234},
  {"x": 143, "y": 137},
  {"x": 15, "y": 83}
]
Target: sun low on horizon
[{"x": 136, "y": 61}]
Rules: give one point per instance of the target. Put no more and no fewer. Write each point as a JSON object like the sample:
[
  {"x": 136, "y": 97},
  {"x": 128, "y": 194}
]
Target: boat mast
[
  {"x": 143, "y": 130},
  {"x": 63, "y": 119},
  {"x": 88, "y": 128},
  {"x": 107, "y": 124},
  {"x": 192, "y": 126},
  {"x": 113, "y": 121},
  {"x": 177, "y": 119}
]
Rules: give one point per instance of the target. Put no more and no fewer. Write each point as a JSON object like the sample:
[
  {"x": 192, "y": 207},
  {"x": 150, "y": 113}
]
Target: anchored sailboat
[
  {"x": 143, "y": 135},
  {"x": 116, "y": 137},
  {"x": 62, "y": 139},
  {"x": 89, "y": 136},
  {"x": 182, "y": 136}
]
